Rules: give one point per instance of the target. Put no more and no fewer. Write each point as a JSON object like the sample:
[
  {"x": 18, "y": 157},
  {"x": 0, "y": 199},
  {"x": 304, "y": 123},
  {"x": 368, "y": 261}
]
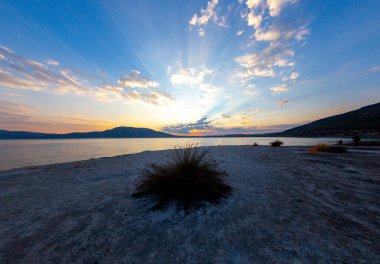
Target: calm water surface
[{"x": 20, "y": 153}]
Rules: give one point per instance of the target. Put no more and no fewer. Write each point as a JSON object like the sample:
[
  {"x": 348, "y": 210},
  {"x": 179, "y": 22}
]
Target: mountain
[
  {"x": 118, "y": 132},
  {"x": 365, "y": 120}
]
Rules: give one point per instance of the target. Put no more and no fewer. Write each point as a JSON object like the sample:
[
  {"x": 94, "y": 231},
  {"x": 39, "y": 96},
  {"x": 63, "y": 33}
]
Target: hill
[
  {"x": 365, "y": 120},
  {"x": 118, "y": 132}
]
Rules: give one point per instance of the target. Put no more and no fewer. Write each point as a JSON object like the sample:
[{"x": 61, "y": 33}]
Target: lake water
[{"x": 20, "y": 153}]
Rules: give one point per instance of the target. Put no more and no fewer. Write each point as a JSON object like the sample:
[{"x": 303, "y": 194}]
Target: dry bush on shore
[
  {"x": 189, "y": 180},
  {"x": 276, "y": 143},
  {"x": 327, "y": 148}
]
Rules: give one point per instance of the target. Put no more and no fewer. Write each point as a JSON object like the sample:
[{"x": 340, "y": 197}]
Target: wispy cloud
[
  {"x": 52, "y": 62},
  {"x": 135, "y": 79},
  {"x": 188, "y": 128},
  {"x": 199, "y": 21},
  {"x": 236, "y": 124},
  {"x": 282, "y": 102},
  {"x": 274, "y": 40},
  {"x": 189, "y": 76},
  {"x": 279, "y": 89},
  {"x": 240, "y": 32},
  {"x": 20, "y": 73}
]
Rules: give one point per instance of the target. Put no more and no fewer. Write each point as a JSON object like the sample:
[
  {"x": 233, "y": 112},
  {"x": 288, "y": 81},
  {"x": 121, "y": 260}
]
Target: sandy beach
[{"x": 287, "y": 206}]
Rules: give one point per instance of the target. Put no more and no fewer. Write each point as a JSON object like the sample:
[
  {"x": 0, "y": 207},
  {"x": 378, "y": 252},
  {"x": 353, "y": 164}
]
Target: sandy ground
[{"x": 288, "y": 206}]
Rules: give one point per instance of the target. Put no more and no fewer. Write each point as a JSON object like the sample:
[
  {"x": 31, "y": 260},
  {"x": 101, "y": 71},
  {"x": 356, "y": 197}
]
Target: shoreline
[
  {"x": 361, "y": 149},
  {"x": 287, "y": 205}
]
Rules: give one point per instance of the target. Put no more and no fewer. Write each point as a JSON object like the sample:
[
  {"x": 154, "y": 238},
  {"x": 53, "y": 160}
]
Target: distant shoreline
[
  {"x": 226, "y": 136},
  {"x": 263, "y": 147}
]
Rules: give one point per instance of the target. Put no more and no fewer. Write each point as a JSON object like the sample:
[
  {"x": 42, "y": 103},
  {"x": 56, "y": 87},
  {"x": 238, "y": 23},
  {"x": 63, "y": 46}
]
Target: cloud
[
  {"x": 262, "y": 63},
  {"x": 189, "y": 76},
  {"x": 187, "y": 128},
  {"x": 253, "y": 3},
  {"x": 120, "y": 93},
  {"x": 279, "y": 89},
  {"x": 25, "y": 74},
  {"x": 274, "y": 40},
  {"x": 52, "y": 62},
  {"x": 294, "y": 76},
  {"x": 375, "y": 68},
  {"x": 250, "y": 89},
  {"x": 205, "y": 16},
  {"x": 237, "y": 124},
  {"x": 240, "y": 32},
  {"x": 254, "y": 20},
  {"x": 135, "y": 79},
  {"x": 275, "y": 6},
  {"x": 282, "y": 102}
]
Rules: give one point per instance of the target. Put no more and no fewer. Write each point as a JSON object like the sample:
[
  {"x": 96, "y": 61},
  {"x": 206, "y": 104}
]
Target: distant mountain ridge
[
  {"x": 364, "y": 120},
  {"x": 117, "y": 132}
]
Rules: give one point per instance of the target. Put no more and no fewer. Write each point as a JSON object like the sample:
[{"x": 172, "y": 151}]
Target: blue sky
[{"x": 185, "y": 67}]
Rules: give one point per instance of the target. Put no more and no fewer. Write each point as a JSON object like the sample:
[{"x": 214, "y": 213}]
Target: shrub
[
  {"x": 327, "y": 148},
  {"x": 276, "y": 143},
  {"x": 189, "y": 180},
  {"x": 255, "y": 144}
]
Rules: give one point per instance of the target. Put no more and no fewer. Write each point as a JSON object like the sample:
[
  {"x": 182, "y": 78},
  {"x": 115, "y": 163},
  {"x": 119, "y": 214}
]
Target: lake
[{"x": 21, "y": 153}]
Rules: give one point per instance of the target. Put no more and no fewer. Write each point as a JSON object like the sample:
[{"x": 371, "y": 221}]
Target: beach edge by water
[{"x": 287, "y": 205}]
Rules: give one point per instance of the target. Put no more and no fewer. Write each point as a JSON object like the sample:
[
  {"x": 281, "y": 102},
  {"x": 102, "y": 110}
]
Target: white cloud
[
  {"x": 254, "y": 19},
  {"x": 205, "y": 16},
  {"x": 135, "y": 79},
  {"x": 253, "y": 3},
  {"x": 274, "y": 40},
  {"x": 240, "y": 32},
  {"x": 262, "y": 63},
  {"x": 25, "y": 74},
  {"x": 275, "y": 6},
  {"x": 189, "y": 76},
  {"x": 53, "y": 62},
  {"x": 294, "y": 76},
  {"x": 279, "y": 89}
]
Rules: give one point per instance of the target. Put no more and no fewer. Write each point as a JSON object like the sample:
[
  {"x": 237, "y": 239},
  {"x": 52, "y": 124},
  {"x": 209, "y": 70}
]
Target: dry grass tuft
[
  {"x": 189, "y": 180},
  {"x": 276, "y": 143},
  {"x": 327, "y": 148}
]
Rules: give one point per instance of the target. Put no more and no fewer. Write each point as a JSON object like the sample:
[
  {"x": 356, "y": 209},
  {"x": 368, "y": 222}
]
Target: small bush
[
  {"x": 276, "y": 143},
  {"x": 327, "y": 148},
  {"x": 189, "y": 180},
  {"x": 255, "y": 144}
]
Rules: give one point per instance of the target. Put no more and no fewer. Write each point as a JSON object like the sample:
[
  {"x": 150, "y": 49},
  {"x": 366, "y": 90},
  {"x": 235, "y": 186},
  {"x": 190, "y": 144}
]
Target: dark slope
[
  {"x": 363, "y": 119},
  {"x": 118, "y": 132}
]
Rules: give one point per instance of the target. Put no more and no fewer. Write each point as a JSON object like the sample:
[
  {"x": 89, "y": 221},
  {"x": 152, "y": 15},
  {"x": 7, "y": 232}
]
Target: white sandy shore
[{"x": 288, "y": 206}]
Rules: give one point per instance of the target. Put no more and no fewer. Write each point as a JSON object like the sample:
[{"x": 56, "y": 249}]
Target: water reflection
[{"x": 20, "y": 153}]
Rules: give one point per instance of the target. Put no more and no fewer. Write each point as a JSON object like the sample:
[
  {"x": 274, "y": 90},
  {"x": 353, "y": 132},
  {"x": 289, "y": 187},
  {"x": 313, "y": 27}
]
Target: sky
[{"x": 185, "y": 67}]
